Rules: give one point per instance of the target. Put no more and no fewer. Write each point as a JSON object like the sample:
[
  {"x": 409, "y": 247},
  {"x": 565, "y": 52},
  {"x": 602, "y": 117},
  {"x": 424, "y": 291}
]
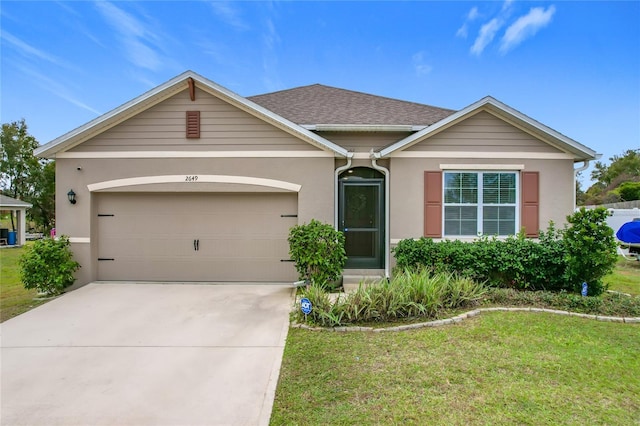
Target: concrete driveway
[{"x": 146, "y": 354}]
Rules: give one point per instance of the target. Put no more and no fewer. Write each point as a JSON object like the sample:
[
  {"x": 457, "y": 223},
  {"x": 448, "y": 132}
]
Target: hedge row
[{"x": 560, "y": 260}]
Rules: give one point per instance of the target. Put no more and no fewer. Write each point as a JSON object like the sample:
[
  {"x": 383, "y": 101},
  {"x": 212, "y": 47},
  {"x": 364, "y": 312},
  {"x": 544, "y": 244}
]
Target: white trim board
[
  {"x": 481, "y": 167},
  {"x": 80, "y": 240},
  {"x": 194, "y": 180},
  {"x": 197, "y": 154},
  {"x": 483, "y": 155}
]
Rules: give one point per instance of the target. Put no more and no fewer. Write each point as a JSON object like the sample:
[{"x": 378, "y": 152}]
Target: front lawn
[
  {"x": 497, "y": 368},
  {"x": 14, "y": 299}
]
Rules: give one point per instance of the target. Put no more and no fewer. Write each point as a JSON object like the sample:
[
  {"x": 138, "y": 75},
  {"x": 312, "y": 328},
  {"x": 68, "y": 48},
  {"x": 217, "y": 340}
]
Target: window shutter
[
  {"x": 530, "y": 203},
  {"x": 433, "y": 204},
  {"x": 193, "y": 124}
]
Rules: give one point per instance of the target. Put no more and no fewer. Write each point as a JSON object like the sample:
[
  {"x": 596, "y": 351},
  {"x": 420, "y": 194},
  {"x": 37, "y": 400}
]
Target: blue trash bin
[{"x": 11, "y": 240}]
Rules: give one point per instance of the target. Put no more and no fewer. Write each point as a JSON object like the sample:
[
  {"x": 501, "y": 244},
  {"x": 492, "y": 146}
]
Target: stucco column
[{"x": 21, "y": 227}]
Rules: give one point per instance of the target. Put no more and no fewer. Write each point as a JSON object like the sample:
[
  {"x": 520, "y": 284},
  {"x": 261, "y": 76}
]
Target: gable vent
[{"x": 193, "y": 124}]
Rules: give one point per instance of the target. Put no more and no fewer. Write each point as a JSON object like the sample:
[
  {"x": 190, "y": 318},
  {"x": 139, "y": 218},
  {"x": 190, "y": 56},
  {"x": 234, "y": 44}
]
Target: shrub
[
  {"x": 318, "y": 252},
  {"x": 590, "y": 250},
  {"x": 559, "y": 261},
  {"x": 48, "y": 266},
  {"x": 516, "y": 262}
]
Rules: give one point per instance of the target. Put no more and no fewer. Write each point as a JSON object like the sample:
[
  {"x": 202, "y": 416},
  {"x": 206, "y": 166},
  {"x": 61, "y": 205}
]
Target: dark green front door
[{"x": 361, "y": 218}]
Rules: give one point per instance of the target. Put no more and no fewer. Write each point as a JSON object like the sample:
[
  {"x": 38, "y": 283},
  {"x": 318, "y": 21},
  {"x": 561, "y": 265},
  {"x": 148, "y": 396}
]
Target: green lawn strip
[
  {"x": 14, "y": 299},
  {"x": 626, "y": 277},
  {"x": 498, "y": 368}
]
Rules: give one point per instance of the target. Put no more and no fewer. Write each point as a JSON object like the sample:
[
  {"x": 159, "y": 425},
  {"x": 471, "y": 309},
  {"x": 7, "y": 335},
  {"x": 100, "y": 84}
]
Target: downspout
[
  {"x": 575, "y": 178},
  {"x": 387, "y": 241},
  {"x": 335, "y": 188}
]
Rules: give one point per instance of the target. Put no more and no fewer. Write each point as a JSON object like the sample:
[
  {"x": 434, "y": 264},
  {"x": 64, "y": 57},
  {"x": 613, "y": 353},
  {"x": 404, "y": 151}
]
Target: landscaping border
[{"x": 462, "y": 317}]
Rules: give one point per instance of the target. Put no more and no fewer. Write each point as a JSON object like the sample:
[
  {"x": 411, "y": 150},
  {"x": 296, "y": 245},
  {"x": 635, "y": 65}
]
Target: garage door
[{"x": 195, "y": 237}]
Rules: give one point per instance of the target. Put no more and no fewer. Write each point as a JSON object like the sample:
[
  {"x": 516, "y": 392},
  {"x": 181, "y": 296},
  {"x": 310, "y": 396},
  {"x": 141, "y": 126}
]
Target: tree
[
  {"x": 611, "y": 182},
  {"x": 23, "y": 176},
  {"x": 43, "y": 211}
]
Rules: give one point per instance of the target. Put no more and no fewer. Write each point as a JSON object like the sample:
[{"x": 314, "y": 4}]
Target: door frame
[{"x": 378, "y": 260}]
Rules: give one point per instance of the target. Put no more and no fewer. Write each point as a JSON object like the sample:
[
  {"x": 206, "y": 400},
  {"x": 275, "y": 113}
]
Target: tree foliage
[
  {"x": 618, "y": 181},
  {"x": 25, "y": 177}
]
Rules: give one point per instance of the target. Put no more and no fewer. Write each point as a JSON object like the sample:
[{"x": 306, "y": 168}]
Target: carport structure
[{"x": 19, "y": 209}]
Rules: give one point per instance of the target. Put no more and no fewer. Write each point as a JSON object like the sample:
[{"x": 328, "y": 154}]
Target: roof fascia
[
  {"x": 504, "y": 111},
  {"x": 166, "y": 90}
]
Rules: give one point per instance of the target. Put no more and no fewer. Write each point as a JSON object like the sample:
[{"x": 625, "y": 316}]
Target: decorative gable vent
[{"x": 193, "y": 124}]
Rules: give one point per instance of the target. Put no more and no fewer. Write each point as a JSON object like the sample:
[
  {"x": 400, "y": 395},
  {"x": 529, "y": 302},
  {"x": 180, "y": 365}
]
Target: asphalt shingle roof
[{"x": 319, "y": 104}]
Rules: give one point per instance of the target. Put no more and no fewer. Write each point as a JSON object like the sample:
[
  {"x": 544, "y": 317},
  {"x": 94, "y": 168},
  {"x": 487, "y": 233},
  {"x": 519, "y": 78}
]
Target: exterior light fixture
[{"x": 72, "y": 196}]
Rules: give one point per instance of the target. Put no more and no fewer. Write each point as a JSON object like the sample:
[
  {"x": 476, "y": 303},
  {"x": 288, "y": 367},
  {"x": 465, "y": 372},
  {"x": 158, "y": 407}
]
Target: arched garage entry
[{"x": 195, "y": 236}]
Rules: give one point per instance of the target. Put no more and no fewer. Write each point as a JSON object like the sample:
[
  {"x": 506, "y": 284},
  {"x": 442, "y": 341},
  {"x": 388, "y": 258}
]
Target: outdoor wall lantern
[{"x": 72, "y": 196}]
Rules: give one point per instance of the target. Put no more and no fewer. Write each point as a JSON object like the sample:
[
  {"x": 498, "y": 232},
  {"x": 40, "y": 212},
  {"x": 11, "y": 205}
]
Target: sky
[{"x": 573, "y": 66}]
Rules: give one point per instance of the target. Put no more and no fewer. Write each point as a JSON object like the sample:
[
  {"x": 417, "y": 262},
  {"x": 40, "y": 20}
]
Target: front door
[{"x": 361, "y": 218}]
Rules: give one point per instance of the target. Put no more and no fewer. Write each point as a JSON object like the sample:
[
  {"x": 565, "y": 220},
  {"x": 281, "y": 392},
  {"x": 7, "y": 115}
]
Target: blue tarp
[{"x": 629, "y": 233}]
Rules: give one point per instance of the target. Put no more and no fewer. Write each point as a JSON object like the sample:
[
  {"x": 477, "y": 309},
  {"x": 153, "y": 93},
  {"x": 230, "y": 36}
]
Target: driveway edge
[{"x": 270, "y": 393}]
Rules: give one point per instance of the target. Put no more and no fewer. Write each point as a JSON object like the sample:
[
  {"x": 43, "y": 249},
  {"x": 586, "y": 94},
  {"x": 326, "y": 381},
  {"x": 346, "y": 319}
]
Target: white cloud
[
  {"x": 136, "y": 37},
  {"x": 56, "y": 88},
  {"x": 506, "y": 5},
  {"x": 471, "y": 16},
  {"x": 526, "y": 26},
  {"x": 419, "y": 65},
  {"x": 229, "y": 15},
  {"x": 270, "y": 42},
  {"x": 486, "y": 35},
  {"x": 30, "y": 52}
]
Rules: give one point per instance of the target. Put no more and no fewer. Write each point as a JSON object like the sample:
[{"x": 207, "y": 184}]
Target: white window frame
[{"x": 480, "y": 205}]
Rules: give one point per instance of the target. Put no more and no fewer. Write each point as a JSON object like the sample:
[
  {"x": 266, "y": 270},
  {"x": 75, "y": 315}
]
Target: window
[{"x": 477, "y": 203}]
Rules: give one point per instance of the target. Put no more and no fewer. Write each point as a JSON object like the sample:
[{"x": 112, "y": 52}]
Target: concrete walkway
[{"x": 146, "y": 354}]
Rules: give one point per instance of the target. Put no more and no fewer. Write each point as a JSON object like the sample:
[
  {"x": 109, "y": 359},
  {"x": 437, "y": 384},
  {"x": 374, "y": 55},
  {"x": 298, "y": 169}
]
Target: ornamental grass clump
[{"x": 420, "y": 295}]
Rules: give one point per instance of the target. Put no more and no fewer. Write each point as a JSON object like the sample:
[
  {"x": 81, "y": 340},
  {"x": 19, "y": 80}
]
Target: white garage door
[{"x": 195, "y": 237}]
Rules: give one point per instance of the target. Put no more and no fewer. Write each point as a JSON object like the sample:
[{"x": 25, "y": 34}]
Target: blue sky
[{"x": 574, "y": 66}]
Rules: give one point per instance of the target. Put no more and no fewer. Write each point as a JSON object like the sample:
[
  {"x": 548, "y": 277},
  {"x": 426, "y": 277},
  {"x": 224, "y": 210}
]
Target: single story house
[{"x": 192, "y": 182}]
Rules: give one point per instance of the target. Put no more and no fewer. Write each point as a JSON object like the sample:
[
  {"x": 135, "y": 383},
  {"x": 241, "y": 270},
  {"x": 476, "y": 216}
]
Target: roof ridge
[
  {"x": 388, "y": 98},
  {"x": 355, "y": 92},
  {"x": 284, "y": 90}
]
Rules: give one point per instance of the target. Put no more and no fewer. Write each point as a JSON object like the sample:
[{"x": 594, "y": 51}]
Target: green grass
[
  {"x": 626, "y": 277},
  {"x": 14, "y": 299},
  {"x": 497, "y": 368}
]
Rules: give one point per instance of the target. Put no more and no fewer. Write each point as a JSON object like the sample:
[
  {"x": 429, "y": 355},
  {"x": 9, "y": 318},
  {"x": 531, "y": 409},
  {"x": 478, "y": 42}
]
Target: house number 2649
[{"x": 191, "y": 178}]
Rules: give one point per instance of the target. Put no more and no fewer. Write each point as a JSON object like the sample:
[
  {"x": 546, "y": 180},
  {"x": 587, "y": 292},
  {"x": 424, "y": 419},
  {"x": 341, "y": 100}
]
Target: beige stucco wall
[
  {"x": 314, "y": 175},
  {"x": 407, "y": 190}
]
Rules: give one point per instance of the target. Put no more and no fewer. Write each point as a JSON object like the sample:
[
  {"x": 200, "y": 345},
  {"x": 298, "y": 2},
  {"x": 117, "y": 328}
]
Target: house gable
[
  {"x": 221, "y": 126},
  {"x": 186, "y": 83},
  {"x": 565, "y": 146},
  {"x": 483, "y": 131}
]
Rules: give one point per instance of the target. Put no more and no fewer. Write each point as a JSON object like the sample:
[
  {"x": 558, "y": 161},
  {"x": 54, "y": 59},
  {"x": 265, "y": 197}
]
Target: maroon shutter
[
  {"x": 193, "y": 124},
  {"x": 530, "y": 203},
  {"x": 433, "y": 204}
]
